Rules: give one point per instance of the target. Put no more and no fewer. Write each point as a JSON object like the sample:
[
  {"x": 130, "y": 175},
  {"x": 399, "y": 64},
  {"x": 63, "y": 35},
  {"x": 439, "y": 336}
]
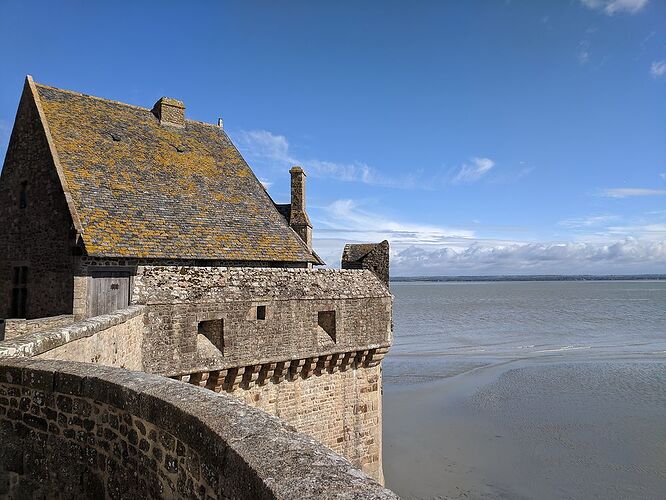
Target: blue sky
[{"x": 478, "y": 137}]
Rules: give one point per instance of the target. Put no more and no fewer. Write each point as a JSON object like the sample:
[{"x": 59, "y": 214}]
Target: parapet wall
[
  {"x": 78, "y": 430},
  {"x": 18, "y": 327},
  {"x": 323, "y": 377},
  {"x": 114, "y": 339},
  {"x": 179, "y": 299}
]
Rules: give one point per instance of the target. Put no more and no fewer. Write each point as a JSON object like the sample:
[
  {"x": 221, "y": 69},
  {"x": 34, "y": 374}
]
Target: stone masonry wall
[
  {"x": 114, "y": 339},
  {"x": 342, "y": 410},
  {"x": 326, "y": 385},
  {"x": 72, "y": 430},
  {"x": 17, "y": 327},
  {"x": 119, "y": 345},
  {"x": 179, "y": 298},
  {"x": 39, "y": 235}
]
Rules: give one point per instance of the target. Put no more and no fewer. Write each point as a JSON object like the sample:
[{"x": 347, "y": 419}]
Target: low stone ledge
[
  {"x": 18, "y": 327},
  {"x": 94, "y": 431},
  {"x": 39, "y": 342}
]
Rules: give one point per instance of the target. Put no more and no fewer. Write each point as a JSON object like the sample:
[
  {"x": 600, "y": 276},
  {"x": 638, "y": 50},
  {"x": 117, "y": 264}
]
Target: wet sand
[{"x": 540, "y": 428}]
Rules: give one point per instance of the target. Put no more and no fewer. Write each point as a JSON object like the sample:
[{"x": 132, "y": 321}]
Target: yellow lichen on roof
[{"x": 143, "y": 189}]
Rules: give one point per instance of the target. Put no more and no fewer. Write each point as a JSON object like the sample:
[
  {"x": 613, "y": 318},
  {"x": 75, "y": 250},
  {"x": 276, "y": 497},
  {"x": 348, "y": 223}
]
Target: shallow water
[{"x": 527, "y": 390}]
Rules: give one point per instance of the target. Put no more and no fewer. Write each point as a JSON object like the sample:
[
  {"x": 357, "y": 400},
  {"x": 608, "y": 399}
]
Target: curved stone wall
[{"x": 80, "y": 430}]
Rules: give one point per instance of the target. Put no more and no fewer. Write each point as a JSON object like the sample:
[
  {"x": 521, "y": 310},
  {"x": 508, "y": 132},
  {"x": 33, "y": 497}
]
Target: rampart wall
[
  {"x": 179, "y": 299},
  {"x": 17, "y": 327},
  {"x": 114, "y": 339},
  {"x": 322, "y": 377},
  {"x": 77, "y": 430}
]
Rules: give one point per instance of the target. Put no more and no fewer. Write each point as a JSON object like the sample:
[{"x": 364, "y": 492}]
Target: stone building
[{"x": 136, "y": 238}]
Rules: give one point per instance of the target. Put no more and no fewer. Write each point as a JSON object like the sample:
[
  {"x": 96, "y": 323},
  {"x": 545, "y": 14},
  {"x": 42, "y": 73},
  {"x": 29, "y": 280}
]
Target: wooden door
[{"x": 108, "y": 292}]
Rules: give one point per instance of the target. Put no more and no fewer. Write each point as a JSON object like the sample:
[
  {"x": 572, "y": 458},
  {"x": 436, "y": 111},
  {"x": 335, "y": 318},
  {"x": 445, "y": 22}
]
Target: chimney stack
[
  {"x": 298, "y": 218},
  {"x": 170, "y": 111}
]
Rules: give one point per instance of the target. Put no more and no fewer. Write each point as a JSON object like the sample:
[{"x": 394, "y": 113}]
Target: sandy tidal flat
[{"x": 539, "y": 429}]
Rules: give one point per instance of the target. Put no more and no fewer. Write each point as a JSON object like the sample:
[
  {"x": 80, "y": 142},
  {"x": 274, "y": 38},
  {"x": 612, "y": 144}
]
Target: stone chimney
[
  {"x": 298, "y": 218},
  {"x": 170, "y": 111}
]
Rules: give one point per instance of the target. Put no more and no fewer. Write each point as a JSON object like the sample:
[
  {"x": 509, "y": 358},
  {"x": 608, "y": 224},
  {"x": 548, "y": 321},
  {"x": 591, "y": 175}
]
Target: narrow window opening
[
  {"x": 213, "y": 330},
  {"x": 326, "y": 321},
  {"x": 261, "y": 312},
  {"x": 23, "y": 197},
  {"x": 19, "y": 292}
]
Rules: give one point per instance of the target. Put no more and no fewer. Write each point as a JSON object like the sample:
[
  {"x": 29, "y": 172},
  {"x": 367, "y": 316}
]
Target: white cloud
[
  {"x": 658, "y": 68},
  {"x": 346, "y": 221},
  {"x": 588, "y": 221},
  {"x": 628, "y": 192},
  {"x": 264, "y": 146},
  {"x": 583, "y": 52},
  {"x": 597, "y": 244},
  {"x": 610, "y": 7},
  {"x": 583, "y": 57},
  {"x": 273, "y": 151},
  {"x": 474, "y": 171},
  {"x": 266, "y": 183},
  {"x": 626, "y": 256}
]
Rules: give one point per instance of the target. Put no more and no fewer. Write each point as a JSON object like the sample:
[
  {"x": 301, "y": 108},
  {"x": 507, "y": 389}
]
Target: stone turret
[
  {"x": 298, "y": 218},
  {"x": 372, "y": 256}
]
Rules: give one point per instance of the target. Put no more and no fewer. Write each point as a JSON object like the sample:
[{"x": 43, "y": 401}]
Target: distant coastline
[{"x": 534, "y": 277}]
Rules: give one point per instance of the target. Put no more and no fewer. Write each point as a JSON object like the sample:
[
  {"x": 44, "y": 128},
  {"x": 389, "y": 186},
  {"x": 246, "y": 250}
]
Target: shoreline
[{"x": 527, "y": 278}]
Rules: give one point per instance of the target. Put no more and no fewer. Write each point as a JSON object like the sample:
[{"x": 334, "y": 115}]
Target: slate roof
[
  {"x": 141, "y": 189},
  {"x": 356, "y": 252}
]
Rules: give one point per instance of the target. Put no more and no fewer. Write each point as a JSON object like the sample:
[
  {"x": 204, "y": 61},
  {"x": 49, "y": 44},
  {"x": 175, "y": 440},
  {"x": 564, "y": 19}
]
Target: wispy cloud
[
  {"x": 611, "y": 7},
  {"x": 629, "y": 192},
  {"x": 474, "y": 171},
  {"x": 274, "y": 149},
  {"x": 583, "y": 52},
  {"x": 347, "y": 217},
  {"x": 606, "y": 229},
  {"x": 627, "y": 256},
  {"x": 350, "y": 221},
  {"x": 588, "y": 221},
  {"x": 599, "y": 243},
  {"x": 658, "y": 68}
]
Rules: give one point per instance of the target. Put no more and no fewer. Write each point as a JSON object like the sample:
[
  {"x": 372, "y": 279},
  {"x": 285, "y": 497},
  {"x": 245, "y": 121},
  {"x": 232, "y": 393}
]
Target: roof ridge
[{"x": 113, "y": 101}]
